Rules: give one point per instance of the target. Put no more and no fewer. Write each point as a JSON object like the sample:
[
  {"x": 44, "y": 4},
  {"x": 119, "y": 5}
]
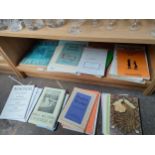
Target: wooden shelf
[
  {"x": 11, "y": 52},
  {"x": 106, "y": 81},
  {"x": 121, "y": 34},
  {"x": 88, "y": 79},
  {"x": 4, "y": 66},
  {"x": 14, "y": 45}
]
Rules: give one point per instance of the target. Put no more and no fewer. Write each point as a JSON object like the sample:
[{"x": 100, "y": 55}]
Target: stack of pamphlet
[
  {"x": 21, "y": 102},
  {"x": 130, "y": 64},
  {"x": 81, "y": 111},
  {"x": 120, "y": 115}
]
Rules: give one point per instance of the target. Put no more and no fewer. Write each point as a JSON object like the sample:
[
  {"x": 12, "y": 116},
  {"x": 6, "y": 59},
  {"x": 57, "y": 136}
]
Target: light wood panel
[
  {"x": 119, "y": 35},
  {"x": 4, "y": 66},
  {"x": 34, "y": 72},
  {"x": 13, "y": 49},
  {"x": 151, "y": 50}
]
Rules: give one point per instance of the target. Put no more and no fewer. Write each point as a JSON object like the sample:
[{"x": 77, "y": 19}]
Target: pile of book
[
  {"x": 127, "y": 62},
  {"x": 120, "y": 115},
  {"x": 21, "y": 102},
  {"x": 67, "y": 57},
  {"x": 130, "y": 64},
  {"x": 34, "y": 105},
  {"x": 81, "y": 111}
]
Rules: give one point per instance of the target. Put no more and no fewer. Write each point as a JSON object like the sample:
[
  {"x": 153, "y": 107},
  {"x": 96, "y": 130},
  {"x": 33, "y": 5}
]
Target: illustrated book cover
[{"x": 48, "y": 108}]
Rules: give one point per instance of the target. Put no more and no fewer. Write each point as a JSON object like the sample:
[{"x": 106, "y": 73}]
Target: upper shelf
[{"x": 121, "y": 34}]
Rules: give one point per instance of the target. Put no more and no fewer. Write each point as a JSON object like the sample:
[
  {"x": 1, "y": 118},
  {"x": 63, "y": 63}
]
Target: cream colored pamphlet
[
  {"x": 77, "y": 110},
  {"x": 66, "y": 58},
  {"x": 48, "y": 108}
]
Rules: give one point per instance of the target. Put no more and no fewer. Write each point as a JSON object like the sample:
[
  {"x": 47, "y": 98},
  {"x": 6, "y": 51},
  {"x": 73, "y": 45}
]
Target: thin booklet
[
  {"x": 66, "y": 57},
  {"x": 77, "y": 111},
  {"x": 18, "y": 102},
  {"x": 93, "y": 61},
  {"x": 48, "y": 108}
]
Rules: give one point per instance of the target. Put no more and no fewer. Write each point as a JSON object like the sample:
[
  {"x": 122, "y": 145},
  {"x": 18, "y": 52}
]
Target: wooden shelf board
[
  {"x": 81, "y": 78},
  {"x": 121, "y": 34}
]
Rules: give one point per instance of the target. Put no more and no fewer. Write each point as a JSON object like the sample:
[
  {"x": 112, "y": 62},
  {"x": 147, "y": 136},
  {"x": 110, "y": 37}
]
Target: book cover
[
  {"x": 124, "y": 115},
  {"x": 93, "y": 61},
  {"x": 18, "y": 102},
  {"x": 113, "y": 72},
  {"x": 66, "y": 58},
  {"x": 105, "y": 108},
  {"x": 48, "y": 108},
  {"x": 91, "y": 124},
  {"x": 40, "y": 54},
  {"x": 78, "y": 109},
  {"x": 132, "y": 61}
]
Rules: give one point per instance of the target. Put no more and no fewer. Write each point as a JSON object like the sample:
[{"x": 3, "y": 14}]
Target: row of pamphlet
[
  {"x": 77, "y": 111},
  {"x": 122, "y": 62}
]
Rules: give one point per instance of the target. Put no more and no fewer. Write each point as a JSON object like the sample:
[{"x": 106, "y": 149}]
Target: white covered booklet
[
  {"x": 93, "y": 61},
  {"x": 18, "y": 102}
]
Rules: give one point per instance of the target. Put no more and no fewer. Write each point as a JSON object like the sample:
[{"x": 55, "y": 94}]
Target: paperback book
[
  {"x": 40, "y": 55},
  {"x": 80, "y": 112},
  {"x": 120, "y": 115},
  {"x": 66, "y": 57},
  {"x": 93, "y": 62},
  {"x": 48, "y": 108},
  {"x": 20, "y": 102},
  {"x": 121, "y": 63}
]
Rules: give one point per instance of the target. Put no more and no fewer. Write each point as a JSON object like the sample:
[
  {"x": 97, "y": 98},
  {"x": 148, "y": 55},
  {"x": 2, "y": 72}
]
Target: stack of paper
[
  {"x": 48, "y": 108},
  {"x": 40, "y": 55},
  {"x": 66, "y": 57},
  {"x": 21, "y": 102},
  {"x": 81, "y": 111},
  {"x": 130, "y": 64},
  {"x": 93, "y": 62},
  {"x": 120, "y": 115}
]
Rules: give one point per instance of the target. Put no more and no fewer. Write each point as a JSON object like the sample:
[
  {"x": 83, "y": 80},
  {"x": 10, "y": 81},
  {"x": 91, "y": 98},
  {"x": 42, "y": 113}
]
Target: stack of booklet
[
  {"x": 130, "y": 64},
  {"x": 120, "y": 115},
  {"x": 28, "y": 103},
  {"x": 73, "y": 57},
  {"x": 76, "y": 58},
  {"x": 21, "y": 102},
  {"x": 81, "y": 111},
  {"x": 45, "y": 108}
]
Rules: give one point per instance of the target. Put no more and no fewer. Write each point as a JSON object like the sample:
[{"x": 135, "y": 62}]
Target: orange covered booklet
[
  {"x": 91, "y": 125},
  {"x": 132, "y": 61}
]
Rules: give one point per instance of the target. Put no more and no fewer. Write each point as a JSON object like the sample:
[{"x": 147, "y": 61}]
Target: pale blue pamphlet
[
  {"x": 40, "y": 54},
  {"x": 70, "y": 54}
]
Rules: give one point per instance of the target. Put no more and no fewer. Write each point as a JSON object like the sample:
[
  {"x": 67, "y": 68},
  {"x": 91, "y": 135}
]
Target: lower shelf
[{"x": 87, "y": 79}]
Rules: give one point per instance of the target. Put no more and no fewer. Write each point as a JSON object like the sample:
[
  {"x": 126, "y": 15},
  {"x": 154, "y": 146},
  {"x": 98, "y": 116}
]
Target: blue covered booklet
[
  {"x": 40, "y": 54},
  {"x": 78, "y": 109}
]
